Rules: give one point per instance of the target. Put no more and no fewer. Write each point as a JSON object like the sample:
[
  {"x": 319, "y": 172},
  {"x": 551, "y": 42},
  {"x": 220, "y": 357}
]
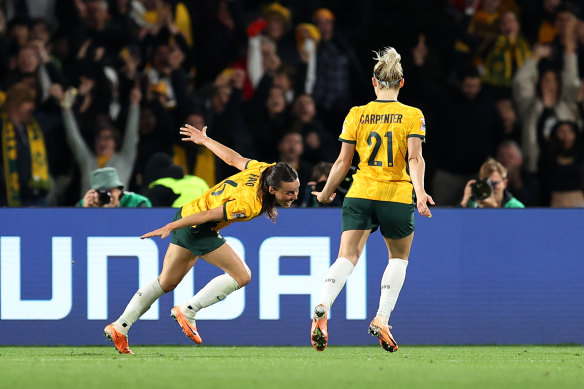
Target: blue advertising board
[{"x": 475, "y": 276}]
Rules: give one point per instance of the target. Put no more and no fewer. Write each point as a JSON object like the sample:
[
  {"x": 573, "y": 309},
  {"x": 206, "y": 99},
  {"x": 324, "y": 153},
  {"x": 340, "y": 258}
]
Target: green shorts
[
  {"x": 200, "y": 240},
  {"x": 396, "y": 220}
]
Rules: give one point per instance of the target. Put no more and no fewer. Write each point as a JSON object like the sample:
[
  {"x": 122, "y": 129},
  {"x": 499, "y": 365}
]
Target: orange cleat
[
  {"x": 381, "y": 330},
  {"x": 118, "y": 339},
  {"x": 189, "y": 329},
  {"x": 318, "y": 330}
]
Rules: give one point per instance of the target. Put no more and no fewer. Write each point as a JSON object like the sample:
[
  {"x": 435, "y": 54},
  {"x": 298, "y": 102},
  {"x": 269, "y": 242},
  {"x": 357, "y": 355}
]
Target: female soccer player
[
  {"x": 388, "y": 137},
  {"x": 194, "y": 233}
]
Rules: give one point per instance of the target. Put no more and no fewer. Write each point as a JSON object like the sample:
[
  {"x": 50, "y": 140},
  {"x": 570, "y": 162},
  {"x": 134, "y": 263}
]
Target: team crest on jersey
[
  {"x": 238, "y": 215},
  {"x": 423, "y": 126}
]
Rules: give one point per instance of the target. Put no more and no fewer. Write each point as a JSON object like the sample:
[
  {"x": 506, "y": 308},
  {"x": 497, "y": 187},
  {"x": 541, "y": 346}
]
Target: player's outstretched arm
[
  {"x": 195, "y": 219},
  {"x": 337, "y": 174},
  {"x": 417, "y": 169},
  {"x": 229, "y": 156}
]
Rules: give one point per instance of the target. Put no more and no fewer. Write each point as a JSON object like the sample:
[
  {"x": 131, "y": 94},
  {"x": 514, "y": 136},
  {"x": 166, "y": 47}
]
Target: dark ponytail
[{"x": 273, "y": 176}]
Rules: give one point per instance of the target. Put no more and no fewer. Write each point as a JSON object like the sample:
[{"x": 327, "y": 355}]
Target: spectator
[
  {"x": 157, "y": 134},
  {"x": 538, "y": 19},
  {"x": 511, "y": 122},
  {"x": 562, "y": 167},
  {"x": 491, "y": 189},
  {"x": 34, "y": 68},
  {"x": 262, "y": 59},
  {"x": 291, "y": 148},
  {"x": 278, "y": 28},
  {"x": 24, "y": 170},
  {"x": 508, "y": 53},
  {"x": 543, "y": 97},
  {"x": 467, "y": 129},
  {"x": 320, "y": 173},
  {"x": 167, "y": 185},
  {"x": 108, "y": 192},
  {"x": 521, "y": 183},
  {"x": 166, "y": 76},
  {"x": 200, "y": 161},
  {"x": 18, "y": 35},
  {"x": 30, "y": 9},
  {"x": 566, "y": 41},
  {"x": 332, "y": 90},
  {"x": 319, "y": 145},
  {"x": 106, "y": 142},
  {"x": 479, "y": 28},
  {"x": 269, "y": 124},
  {"x": 225, "y": 118},
  {"x": 220, "y": 35}
]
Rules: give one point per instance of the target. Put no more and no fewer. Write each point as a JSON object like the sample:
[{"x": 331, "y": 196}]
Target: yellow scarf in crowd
[{"x": 38, "y": 156}]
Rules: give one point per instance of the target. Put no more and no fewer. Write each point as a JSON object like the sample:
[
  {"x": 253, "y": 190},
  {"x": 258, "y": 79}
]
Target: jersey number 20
[{"x": 377, "y": 145}]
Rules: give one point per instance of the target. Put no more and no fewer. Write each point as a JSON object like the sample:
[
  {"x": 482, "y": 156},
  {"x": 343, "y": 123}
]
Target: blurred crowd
[{"x": 88, "y": 85}]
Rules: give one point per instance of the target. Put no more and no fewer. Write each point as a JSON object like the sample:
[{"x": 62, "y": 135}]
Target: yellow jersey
[
  {"x": 238, "y": 194},
  {"x": 380, "y": 132}
]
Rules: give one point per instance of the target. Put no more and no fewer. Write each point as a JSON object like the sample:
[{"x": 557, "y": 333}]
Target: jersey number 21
[{"x": 374, "y": 139}]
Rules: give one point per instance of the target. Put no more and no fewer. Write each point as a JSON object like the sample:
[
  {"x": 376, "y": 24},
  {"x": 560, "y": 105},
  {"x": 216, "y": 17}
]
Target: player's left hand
[
  {"x": 162, "y": 232},
  {"x": 422, "y": 203},
  {"x": 193, "y": 134},
  {"x": 322, "y": 199}
]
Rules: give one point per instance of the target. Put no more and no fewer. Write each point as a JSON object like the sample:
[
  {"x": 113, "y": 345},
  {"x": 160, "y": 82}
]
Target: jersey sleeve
[
  {"x": 349, "y": 132},
  {"x": 417, "y": 126},
  {"x": 239, "y": 208},
  {"x": 253, "y": 164}
]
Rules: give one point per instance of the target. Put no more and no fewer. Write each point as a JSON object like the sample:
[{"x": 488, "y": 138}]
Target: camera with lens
[
  {"x": 103, "y": 197},
  {"x": 482, "y": 189}
]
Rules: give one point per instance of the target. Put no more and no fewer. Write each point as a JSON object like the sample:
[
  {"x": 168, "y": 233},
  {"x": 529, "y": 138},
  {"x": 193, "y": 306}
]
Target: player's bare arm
[
  {"x": 214, "y": 214},
  {"x": 417, "y": 167},
  {"x": 337, "y": 174},
  {"x": 229, "y": 156}
]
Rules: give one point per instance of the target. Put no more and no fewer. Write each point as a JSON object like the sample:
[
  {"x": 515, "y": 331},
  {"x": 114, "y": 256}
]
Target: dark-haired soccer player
[{"x": 194, "y": 233}]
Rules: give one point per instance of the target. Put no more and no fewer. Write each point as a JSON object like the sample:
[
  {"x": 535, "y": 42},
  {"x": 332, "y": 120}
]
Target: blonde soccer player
[
  {"x": 195, "y": 234},
  {"x": 388, "y": 137}
]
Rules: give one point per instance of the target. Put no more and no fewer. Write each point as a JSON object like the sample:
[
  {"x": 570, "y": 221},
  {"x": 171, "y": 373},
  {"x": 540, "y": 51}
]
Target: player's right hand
[{"x": 162, "y": 232}]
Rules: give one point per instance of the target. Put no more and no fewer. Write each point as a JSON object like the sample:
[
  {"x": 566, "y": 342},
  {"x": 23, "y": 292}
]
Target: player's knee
[
  {"x": 167, "y": 285},
  {"x": 243, "y": 279}
]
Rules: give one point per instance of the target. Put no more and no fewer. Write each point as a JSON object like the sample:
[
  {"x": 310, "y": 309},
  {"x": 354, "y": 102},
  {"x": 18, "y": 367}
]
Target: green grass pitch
[{"x": 293, "y": 367}]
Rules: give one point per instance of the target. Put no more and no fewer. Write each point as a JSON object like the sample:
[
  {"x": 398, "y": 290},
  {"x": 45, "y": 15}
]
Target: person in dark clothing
[
  {"x": 291, "y": 148},
  {"x": 269, "y": 123},
  {"x": 337, "y": 68},
  {"x": 226, "y": 120},
  {"x": 220, "y": 37},
  {"x": 319, "y": 145},
  {"x": 467, "y": 130},
  {"x": 520, "y": 182},
  {"x": 561, "y": 167}
]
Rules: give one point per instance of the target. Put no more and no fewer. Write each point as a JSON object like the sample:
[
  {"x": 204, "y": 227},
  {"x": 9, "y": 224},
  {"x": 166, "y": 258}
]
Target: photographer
[
  {"x": 108, "y": 192},
  {"x": 489, "y": 191},
  {"x": 320, "y": 173}
]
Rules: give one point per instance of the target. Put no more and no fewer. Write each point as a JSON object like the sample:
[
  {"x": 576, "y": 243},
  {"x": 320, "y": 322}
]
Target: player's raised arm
[{"x": 229, "y": 156}]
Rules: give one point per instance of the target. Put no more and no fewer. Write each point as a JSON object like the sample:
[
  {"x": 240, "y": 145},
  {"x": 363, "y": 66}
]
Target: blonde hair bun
[{"x": 388, "y": 69}]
